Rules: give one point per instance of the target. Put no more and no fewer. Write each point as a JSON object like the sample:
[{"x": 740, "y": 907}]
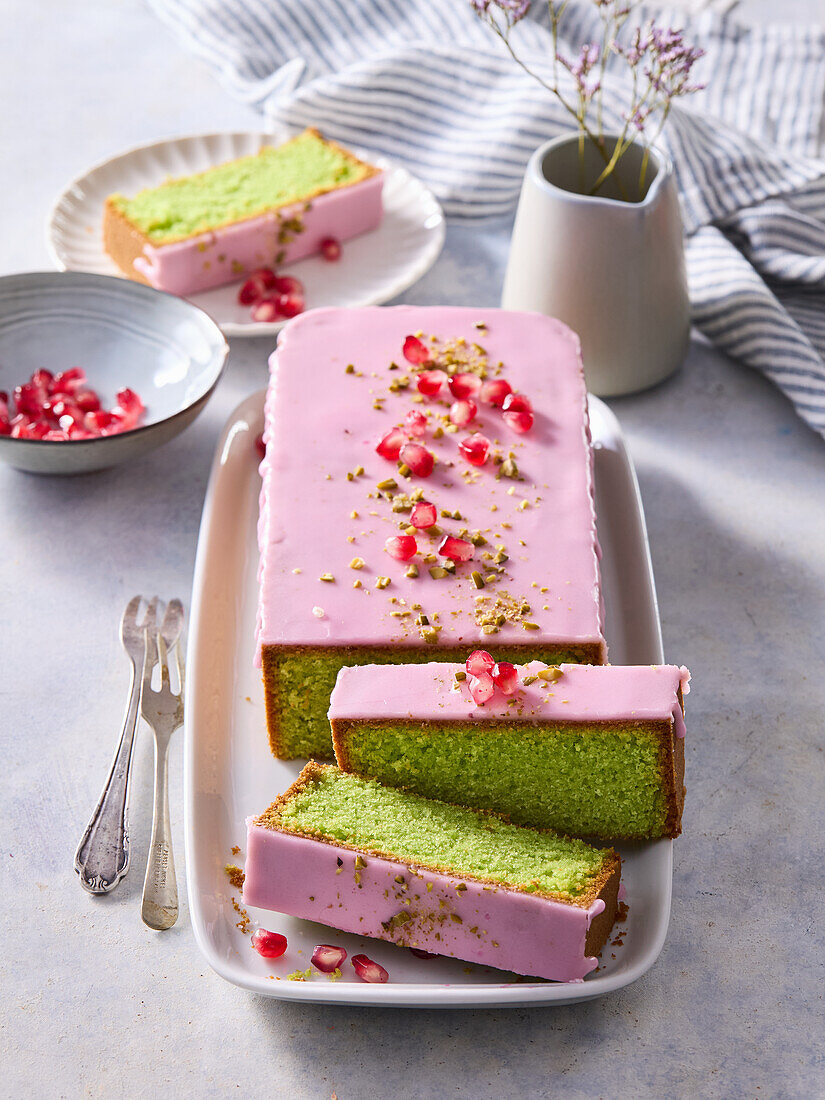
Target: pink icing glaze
[
  {"x": 321, "y": 423},
  {"x": 514, "y": 931},
  {"x": 584, "y": 693},
  {"x": 212, "y": 259}
]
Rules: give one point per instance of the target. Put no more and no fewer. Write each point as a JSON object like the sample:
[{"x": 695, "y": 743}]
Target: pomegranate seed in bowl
[
  {"x": 369, "y": 971},
  {"x": 56, "y": 409},
  {"x": 327, "y": 958}
]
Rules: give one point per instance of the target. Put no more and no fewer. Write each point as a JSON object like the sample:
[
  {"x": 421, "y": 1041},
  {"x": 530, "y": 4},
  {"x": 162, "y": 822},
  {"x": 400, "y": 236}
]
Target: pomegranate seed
[
  {"x": 462, "y": 412},
  {"x": 288, "y": 284},
  {"x": 423, "y": 515},
  {"x": 4, "y": 397},
  {"x": 257, "y": 285},
  {"x": 56, "y": 436},
  {"x": 401, "y": 547},
  {"x": 87, "y": 400},
  {"x": 290, "y": 304},
  {"x": 505, "y": 676},
  {"x": 260, "y": 445},
  {"x": 464, "y": 385},
  {"x": 331, "y": 249},
  {"x": 269, "y": 945},
  {"x": 495, "y": 391},
  {"x": 27, "y": 399},
  {"x": 482, "y": 688},
  {"x": 415, "y": 423},
  {"x": 69, "y": 381},
  {"x": 76, "y": 432},
  {"x": 129, "y": 404},
  {"x": 478, "y": 662},
  {"x": 518, "y": 412},
  {"x": 65, "y": 406},
  {"x": 5, "y": 427},
  {"x": 519, "y": 421},
  {"x": 391, "y": 444},
  {"x": 367, "y": 970},
  {"x": 415, "y": 351},
  {"x": 266, "y": 309},
  {"x": 31, "y": 430},
  {"x": 71, "y": 418},
  {"x": 327, "y": 958},
  {"x": 42, "y": 379},
  {"x": 456, "y": 549},
  {"x": 101, "y": 422},
  {"x": 419, "y": 954},
  {"x": 430, "y": 382},
  {"x": 475, "y": 448},
  {"x": 418, "y": 458}
]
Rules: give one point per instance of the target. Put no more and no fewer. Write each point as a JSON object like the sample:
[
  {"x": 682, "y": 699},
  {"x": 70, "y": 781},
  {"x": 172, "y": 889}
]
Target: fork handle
[
  {"x": 102, "y": 857},
  {"x": 160, "y": 889}
]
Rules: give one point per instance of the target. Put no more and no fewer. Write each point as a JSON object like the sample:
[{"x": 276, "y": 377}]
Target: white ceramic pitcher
[{"x": 613, "y": 270}]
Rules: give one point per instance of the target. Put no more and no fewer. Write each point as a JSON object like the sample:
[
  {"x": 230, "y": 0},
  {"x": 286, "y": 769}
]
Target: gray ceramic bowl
[{"x": 122, "y": 334}]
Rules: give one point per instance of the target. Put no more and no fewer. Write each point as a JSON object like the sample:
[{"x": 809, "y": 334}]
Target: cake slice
[
  {"x": 365, "y": 858},
  {"x": 368, "y": 462},
  {"x": 201, "y": 231},
  {"x": 586, "y": 750}
]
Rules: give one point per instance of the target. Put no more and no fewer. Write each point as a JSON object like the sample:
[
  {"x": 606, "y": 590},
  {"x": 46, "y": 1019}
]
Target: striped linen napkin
[{"x": 429, "y": 86}]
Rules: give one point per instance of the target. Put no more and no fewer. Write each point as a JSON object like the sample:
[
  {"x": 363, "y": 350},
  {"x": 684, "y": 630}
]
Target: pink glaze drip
[
  {"x": 514, "y": 931},
  {"x": 223, "y": 256},
  {"x": 321, "y": 423},
  {"x": 584, "y": 693}
]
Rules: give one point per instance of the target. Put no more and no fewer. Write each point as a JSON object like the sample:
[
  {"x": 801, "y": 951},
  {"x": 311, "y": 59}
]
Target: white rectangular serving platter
[{"x": 230, "y": 773}]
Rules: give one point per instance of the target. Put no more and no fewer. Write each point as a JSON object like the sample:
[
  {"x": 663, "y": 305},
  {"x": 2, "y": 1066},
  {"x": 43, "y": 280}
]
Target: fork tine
[
  {"x": 163, "y": 657},
  {"x": 150, "y": 621},
  {"x": 129, "y": 617},
  {"x": 172, "y": 623}
]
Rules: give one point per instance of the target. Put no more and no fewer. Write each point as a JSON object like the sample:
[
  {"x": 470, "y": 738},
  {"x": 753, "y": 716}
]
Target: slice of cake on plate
[
  {"x": 201, "y": 231},
  {"x": 384, "y": 863},
  {"x": 427, "y": 489},
  {"x": 593, "y": 751}
]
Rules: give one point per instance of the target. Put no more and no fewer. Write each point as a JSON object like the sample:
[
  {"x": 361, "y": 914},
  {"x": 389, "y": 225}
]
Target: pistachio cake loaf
[
  {"x": 427, "y": 488},
  {"x": 204, "y": 230},
  {"x": 593, "y": 751},
  {"x": 384, "y": 863}
]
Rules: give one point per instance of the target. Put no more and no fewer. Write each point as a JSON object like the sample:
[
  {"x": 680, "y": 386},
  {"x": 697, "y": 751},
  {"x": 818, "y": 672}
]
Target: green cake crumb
[
  {"x": 588, "y": 781},
  {"x": 404, "y": 826},
  {"x": 304, "y": 683},
  {"x": 241, "y": 189}
]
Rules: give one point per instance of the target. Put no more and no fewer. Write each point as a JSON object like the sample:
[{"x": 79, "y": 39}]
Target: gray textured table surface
[{"x": 95, "y": 1004}]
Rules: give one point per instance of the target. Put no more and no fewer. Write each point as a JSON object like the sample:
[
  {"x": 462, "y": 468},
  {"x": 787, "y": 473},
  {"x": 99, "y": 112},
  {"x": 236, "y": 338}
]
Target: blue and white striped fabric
[{"x": 428, "y": 85}]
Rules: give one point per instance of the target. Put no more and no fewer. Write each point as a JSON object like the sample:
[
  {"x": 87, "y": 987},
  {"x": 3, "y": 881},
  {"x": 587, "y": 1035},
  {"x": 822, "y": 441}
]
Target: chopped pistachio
[
  {"x": 477, "y": 579},
  {"x": 550, "y": 674},
  {"x": 404, "y": 469},
  {"x": 412, "y": 570},
  {"x": 349, "y": 368},
  {"x": 531, "y": 626},
  {"x": 490, "y": 578},
  {"x": 430, "y": 635},
  {"x": 460, "y": 675},
  {"x": 382, "y": 582},
  {"x": 359, "y": 470},
  {"x": 327, "y": 577},
  {"x": 528, "y": 680},
  {"x": 437, "y": 572},
  {"x": 500, "y": 558},
  {"x": 449, "y": 565},
  {"x": 353, "y": 515},
  {"x": 350, "y": 477},
  {"x": 438, "y": 432},
  {"x": 357, "y": 563},
  {"x": 388, "y": 485},
  {"x": 356, "y": 583},
  {"x": 422, "y": 620}
]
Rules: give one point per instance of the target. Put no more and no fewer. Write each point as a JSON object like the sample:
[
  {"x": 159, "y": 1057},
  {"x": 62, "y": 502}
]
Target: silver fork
[
  {"x": 163, "y": 711},
  {"x": 102, "y": 858}
]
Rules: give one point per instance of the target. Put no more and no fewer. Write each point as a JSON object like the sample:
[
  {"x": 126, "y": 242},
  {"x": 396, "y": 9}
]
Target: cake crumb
[{"x": 234, "y": 873}]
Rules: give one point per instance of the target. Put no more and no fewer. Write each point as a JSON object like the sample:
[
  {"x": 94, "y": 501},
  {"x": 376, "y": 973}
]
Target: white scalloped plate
[
  {"x": 373, "y": 268},
  {"x": 231, "y": 774}
]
